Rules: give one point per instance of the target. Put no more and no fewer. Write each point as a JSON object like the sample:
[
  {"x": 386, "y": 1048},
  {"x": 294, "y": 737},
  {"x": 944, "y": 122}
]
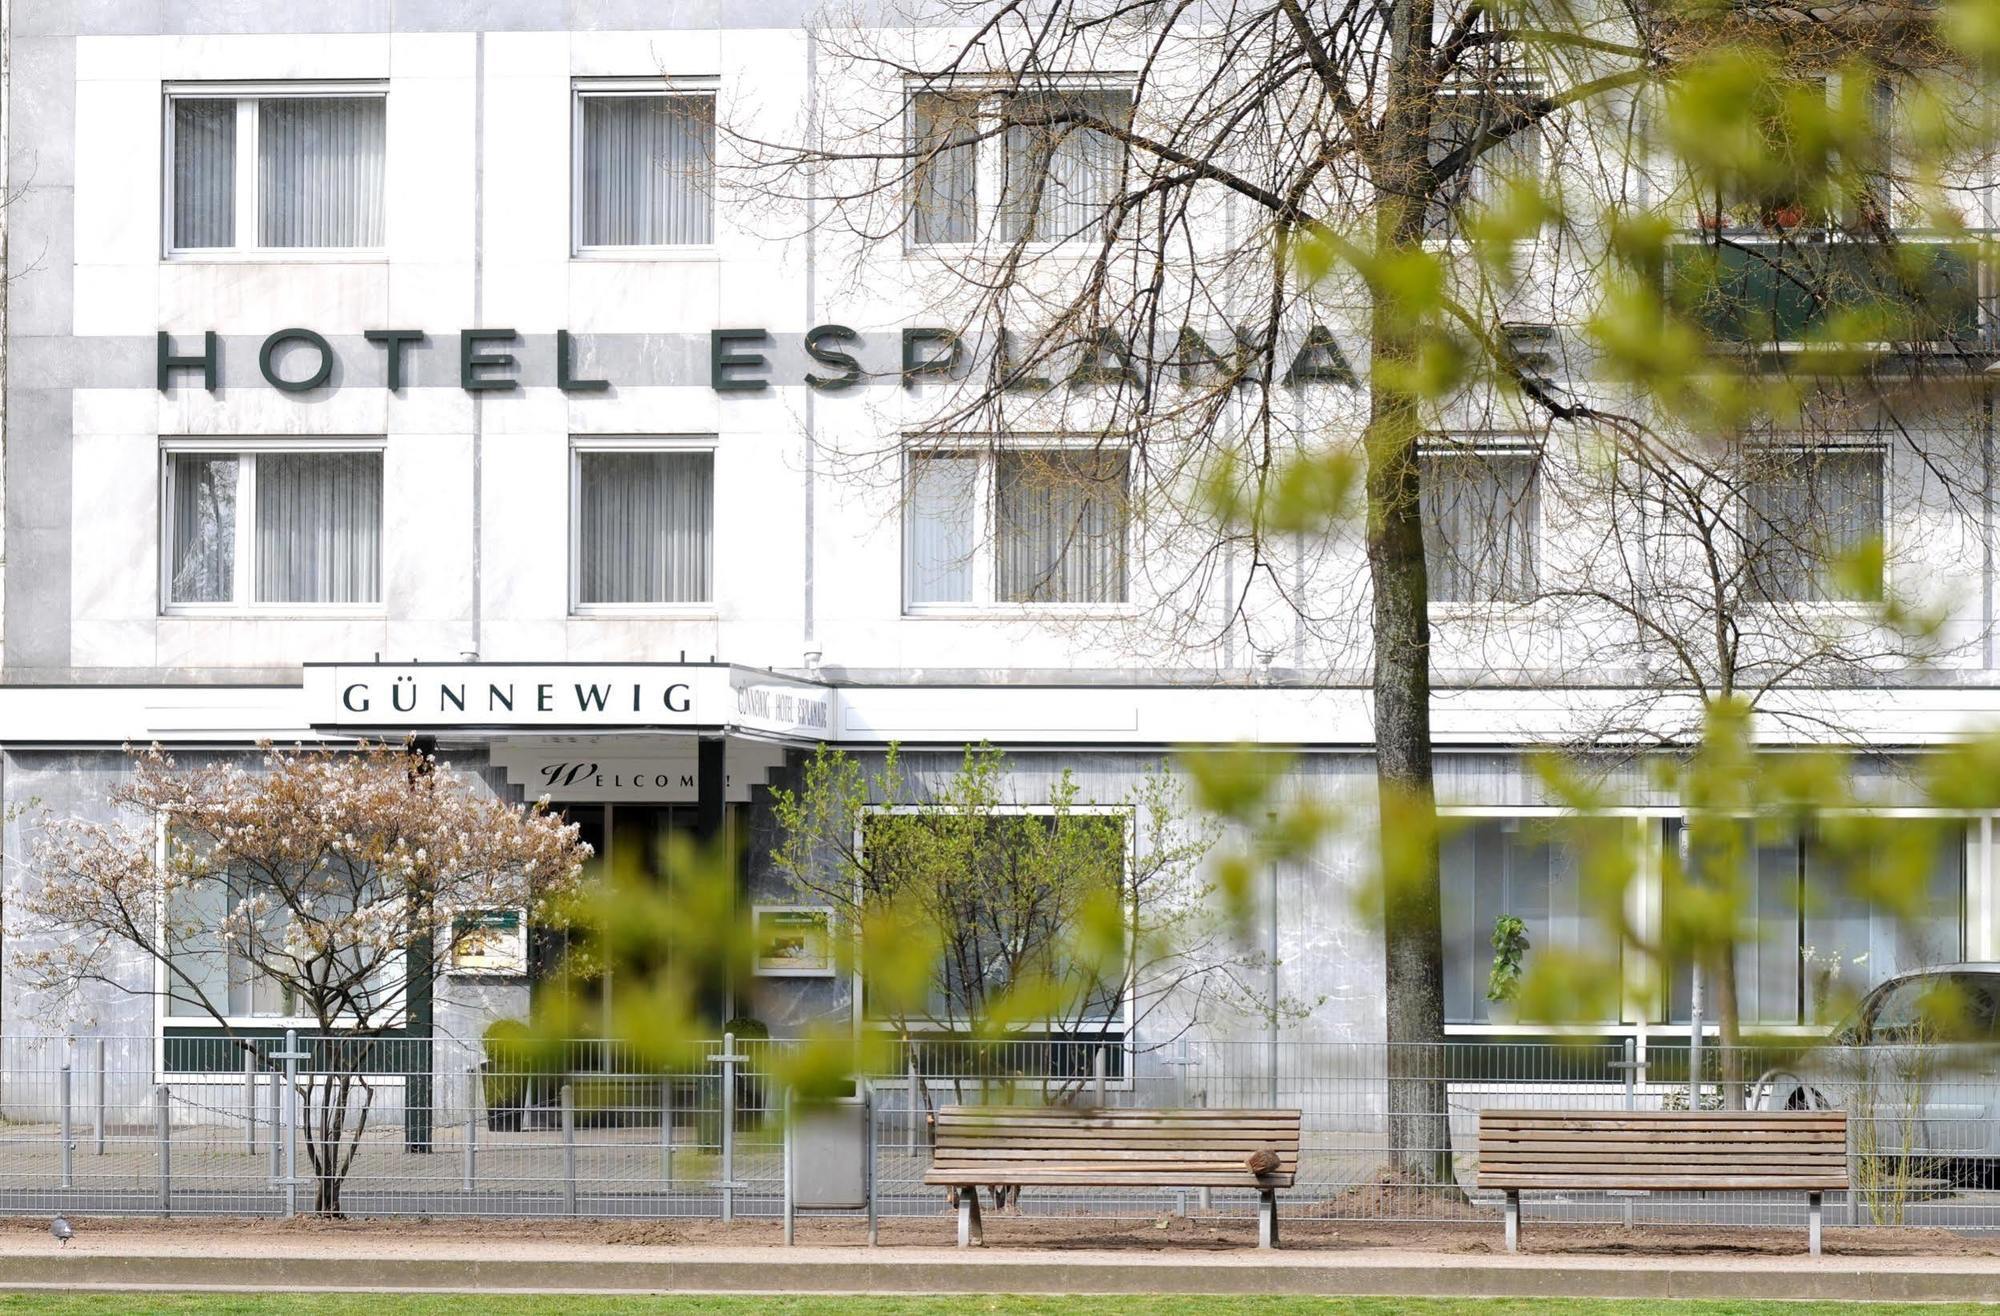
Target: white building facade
[{"x": 384, "y": 369}]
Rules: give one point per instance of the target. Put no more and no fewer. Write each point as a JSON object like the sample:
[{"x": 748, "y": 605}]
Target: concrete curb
[{"x": 1830, "y": 1281}]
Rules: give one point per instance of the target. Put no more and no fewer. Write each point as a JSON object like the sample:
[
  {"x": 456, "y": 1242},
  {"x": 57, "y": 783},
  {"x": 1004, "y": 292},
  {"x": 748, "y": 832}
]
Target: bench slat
[
  {"x": 1102, "y": 1179},
  {"x": 1691, "y": 1182},
  {"x": 1102, "y": 1153},
  {"x": 1733, "y": 1137},
  {"x": 1664, "y": 1150}
]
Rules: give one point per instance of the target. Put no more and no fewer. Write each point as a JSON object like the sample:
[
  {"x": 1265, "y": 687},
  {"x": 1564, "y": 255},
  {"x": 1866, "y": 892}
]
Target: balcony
[{"x": 1760, "y": 290}]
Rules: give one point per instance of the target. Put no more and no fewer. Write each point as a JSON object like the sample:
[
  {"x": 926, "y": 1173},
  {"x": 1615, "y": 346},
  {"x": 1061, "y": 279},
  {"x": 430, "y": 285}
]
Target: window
[
  {"x": 645, "y": 167},
  {"x": 289, "y": 170},
  {"x": 1814, "y": 943},
  {"x": 1463, "y": 115},
  {"x": 1530, "y": 869},
  {"x": 1048, "y": 177},
  {"x": 1803, "y": 511},
  {"x": 643, "y": 525},
  {"x": 1041, "y": 526},
  {"x": 293, "y": 528},
  {"x": 1481, "y": 519}
]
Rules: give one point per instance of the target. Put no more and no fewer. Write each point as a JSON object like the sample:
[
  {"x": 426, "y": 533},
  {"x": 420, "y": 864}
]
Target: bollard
[
  {"x": 1097, "y": 1074},
  {"x": 569, "y": 1150},
  {"x": 68, "y": 1145},
  {"x": 471, "y": 1129},
  {"x": 97, "y": 1117},
  {"x": 161, "y": 1098},
  {"x": 250, "y": 1100}
]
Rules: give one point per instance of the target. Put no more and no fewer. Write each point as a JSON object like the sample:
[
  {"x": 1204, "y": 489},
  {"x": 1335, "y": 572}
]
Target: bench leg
[
  {"x": 1513, "y": 1220},
  {"x": 1267, "y": 1218},
  {"x": 969, "y": 1231},
  {"x": 1812, "y": 1222}
]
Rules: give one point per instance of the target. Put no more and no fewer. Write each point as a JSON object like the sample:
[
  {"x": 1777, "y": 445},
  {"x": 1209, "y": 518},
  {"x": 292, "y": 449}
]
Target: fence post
[
  {"x": 277, "y": 1113},
  {"x": 250, "y": 1100},
  {"x": 471, "y": 1127},
  {"x": 667, "y": 1130},
  {"x": 569, "y": 1149},
  {"x": 97, "y": 1119},
  {"x": 164, "y": 1116},
  {"x": 728, "y": 1108},
  {"x": 910, "y": 1115},
  {"x": 67, "y": 1145},
  {"x": 291, "y": 1123},
  {"x": 1631, "y": 1067},
  {"x": 1097, "y": 1073}
]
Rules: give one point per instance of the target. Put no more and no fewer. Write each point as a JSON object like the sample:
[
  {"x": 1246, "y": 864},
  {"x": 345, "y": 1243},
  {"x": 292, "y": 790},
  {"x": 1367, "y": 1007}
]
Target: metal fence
[{"x": 438, "y": 1127}]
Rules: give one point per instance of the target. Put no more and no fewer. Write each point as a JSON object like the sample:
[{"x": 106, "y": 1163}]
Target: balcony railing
[{"x": 1763, "y": 290}]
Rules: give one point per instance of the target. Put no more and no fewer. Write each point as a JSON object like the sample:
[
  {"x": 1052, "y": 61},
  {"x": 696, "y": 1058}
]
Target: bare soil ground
[{"x": 1058, "y": 1234}]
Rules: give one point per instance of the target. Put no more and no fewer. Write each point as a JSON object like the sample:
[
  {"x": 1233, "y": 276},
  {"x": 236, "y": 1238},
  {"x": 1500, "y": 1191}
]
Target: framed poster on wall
[
  {"x": 793, "y": 941},
  {"x": 490, "y": 941}
]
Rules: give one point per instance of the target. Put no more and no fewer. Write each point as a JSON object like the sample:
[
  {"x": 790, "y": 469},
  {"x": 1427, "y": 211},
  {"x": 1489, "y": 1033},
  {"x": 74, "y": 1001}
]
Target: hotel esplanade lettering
[{"x": 738, "y": 360}]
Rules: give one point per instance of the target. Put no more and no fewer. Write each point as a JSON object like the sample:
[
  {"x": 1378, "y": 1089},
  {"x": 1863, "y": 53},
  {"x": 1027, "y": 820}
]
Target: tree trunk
[{"x": 1413, "y": 939}]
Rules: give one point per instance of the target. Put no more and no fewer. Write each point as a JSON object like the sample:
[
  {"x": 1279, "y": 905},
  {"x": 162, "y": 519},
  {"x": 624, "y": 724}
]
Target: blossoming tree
[{"x": 327, "y": 885}]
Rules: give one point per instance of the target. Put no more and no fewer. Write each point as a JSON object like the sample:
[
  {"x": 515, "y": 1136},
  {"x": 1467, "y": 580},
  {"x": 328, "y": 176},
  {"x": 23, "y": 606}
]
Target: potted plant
[
  {"x": 1503, "y": 980},
  {"x": 504, "y": 1078}
]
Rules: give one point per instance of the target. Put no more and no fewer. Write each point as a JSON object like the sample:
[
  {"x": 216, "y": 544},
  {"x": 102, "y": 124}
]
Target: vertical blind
[
  {"x": 202, "y": 547},
  {"x": 946, "y": 177},
  {"x": 1803, "y": 511},
  {"x": 1060, "y": 178},
  {"x": 1480, "y": 515},
  {"x": 645, "y": 526},
  {"x": 646, "y": 171},
  {"x": 320, "y": 171},
  {"x": 204, "y": 179},
  {"x": 938, "y": 540},
  {"x": 319, "y": 527},
  {"x": 1061, "y": 527}
]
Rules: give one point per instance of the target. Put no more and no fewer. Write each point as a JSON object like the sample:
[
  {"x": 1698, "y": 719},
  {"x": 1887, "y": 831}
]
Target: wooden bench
[
  {"x": 1661, "y": 1151},
  {"x": 1109, "y": 1147}
]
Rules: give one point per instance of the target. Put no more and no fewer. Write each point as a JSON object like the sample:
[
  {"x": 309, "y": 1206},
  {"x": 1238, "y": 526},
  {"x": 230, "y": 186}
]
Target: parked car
[{"x": 1917, "y": 1069}]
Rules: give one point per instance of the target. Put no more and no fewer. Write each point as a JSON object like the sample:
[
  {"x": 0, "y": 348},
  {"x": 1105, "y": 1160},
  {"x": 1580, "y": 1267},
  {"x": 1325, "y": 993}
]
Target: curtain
[
  {"x": 937, "y": 539},
  {"x": 946, "y": 178},
  {"x": 646, "y": 526},
  {"x": 202, "y": 552},
  {"x": 1805, "y": 510},
  {"x": 1495, "y": 866},
  {"x": 1480, "y": 515},
  {"x": 1061, "y": 527},
  {"x": 647, "y": 170},
  {"x": 1853, "y": 944},
  {"x": 319, "y": 171},
  {"x": 204, "y": 173},
  {"x": 1059, "y": 178},
  {"x": 319, "y": 527}
]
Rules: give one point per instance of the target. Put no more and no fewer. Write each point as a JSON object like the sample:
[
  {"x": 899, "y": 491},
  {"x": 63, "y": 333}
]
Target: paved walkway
[{"x": 384, "y": 1261}]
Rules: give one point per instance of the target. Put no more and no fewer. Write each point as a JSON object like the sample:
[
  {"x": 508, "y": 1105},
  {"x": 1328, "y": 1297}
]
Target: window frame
[
  {"x": 989, "y": 169},
  {"x": 244, "y": 568},
  {"x": 1877, "y": 444},
  {"x": 1442, "y": 231},
  {"x": 248, "y": 97},
  {"x": 1124, "y": 1019},
  {"x": 706, "y": 87},
  {"x": 581, "y": 444},
  {"x": 1484, "y": 446},
  {"x": 985, "y": 565}
]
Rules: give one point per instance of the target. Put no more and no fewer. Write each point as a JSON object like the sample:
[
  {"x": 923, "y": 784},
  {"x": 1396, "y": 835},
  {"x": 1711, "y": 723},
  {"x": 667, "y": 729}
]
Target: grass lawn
[{"x": 375, "y": 1304}]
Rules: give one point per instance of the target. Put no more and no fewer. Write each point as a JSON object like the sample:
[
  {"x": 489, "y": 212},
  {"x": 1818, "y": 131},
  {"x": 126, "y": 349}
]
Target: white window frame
[
  {"x": 581, "y": 444},
  {"x": 985, "y": 564},
  {"x": 1484, "y": 446},
  {"x": 1524, "y": 85},
  {"x": 248, "y": 96},
  {"x": 989, "y": 170},
  {"x": 582, "y": 89},
  {"x": 1124, "y": 1020},
  {"x": 244, "y": 575},
  {"x": 1863, "y": 608}
]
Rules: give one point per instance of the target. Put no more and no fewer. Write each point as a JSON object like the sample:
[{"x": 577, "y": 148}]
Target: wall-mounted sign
[
  {"x": 490, "y": 941},
  {"x": 440, "y": 696},
  {"x": 793, "y": 941}
]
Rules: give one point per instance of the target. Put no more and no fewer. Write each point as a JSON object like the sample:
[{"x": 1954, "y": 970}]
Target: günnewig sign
[{"x": 383, "y": 697}]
